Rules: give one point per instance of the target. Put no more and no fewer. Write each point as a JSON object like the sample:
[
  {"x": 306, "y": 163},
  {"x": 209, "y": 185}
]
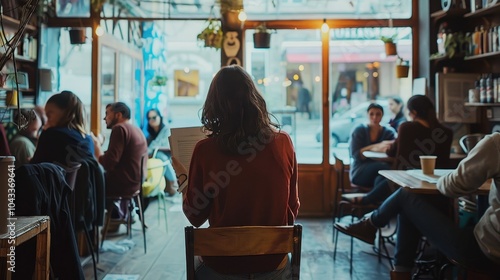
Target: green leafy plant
[
  {"x": 261, "y": 28},
  {"x": 387, "y": 39},
  {"x": 212, "y": 35},
  {"x": 158, "y": 80}
]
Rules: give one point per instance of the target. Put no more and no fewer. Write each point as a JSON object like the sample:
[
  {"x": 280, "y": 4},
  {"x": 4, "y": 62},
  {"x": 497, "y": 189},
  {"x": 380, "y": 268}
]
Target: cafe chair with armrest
[
  {"x": 154, "y": 185},
  {"x": 341, "y": 207},
  {"x": 243, "y": 241}
]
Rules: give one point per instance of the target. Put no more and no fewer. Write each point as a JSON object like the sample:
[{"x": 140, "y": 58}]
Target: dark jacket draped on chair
[{"x": 41, "y": 189}]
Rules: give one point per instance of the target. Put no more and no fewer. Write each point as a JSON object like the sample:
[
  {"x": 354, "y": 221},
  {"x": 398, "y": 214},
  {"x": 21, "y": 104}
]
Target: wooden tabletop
[{"x": 404, "y": 179}]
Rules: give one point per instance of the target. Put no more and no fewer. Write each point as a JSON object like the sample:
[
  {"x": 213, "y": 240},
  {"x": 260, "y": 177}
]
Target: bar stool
[{"x": 109, "y": 211}]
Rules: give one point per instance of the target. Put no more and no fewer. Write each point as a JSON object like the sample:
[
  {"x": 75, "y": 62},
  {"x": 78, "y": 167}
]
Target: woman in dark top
[
  {"x": 369, "y": 137},
  {"x": 64, "y": 140},
  {"x": 424, "y": 135},
  {"x": 396, "y": 107}
]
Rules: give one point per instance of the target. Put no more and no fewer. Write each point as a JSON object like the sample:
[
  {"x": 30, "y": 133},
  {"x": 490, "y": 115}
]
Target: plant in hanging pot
[
  {"x": 262, "y": 37},
  {"x": 158, "y": 80},
  {"x": 229, "y": 10},
  {"x": 212, "y": 35},
  {"x": 390, "y": 45},
  {"x": 402, "y": 68}
]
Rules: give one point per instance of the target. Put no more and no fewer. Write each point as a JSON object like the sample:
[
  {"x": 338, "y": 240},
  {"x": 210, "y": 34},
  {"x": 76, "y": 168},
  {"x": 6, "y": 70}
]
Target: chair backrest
[
  {"x": 71, "y": 172},
  {"x": 154, "y": 178},
  {"x": 339, "y": 170},
  {"x": 468, "y": 142},
  {"x": 243, "y": 241}
]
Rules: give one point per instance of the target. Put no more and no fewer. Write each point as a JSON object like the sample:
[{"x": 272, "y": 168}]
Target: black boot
[
  {"x": 362, "y": 230},
  {"x": 400, "y": 275}
]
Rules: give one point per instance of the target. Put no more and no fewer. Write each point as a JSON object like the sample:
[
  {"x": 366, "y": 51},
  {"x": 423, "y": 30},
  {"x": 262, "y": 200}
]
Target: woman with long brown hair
[{"x": 243, "y": 174}]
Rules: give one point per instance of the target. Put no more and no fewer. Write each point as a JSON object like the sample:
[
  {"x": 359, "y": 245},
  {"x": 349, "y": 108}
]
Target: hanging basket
[
  {"x": 402, "y": 71},
  {"x": 262, "y": 40},
  {"x": 390, "y": 49},
  {"x": 77, "y": 36}
]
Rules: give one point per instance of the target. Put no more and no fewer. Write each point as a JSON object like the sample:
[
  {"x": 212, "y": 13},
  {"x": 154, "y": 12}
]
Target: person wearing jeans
[{"x": 419, "y": 215}]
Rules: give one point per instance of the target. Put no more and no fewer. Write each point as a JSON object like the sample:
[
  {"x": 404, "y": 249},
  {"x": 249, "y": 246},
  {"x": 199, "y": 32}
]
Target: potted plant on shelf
[
  {"x": 212, "y": 35},
  {"x": 402, "y": 68},
  {"x": 390, "y": 46},
  {"x": 262, "y": 37}
]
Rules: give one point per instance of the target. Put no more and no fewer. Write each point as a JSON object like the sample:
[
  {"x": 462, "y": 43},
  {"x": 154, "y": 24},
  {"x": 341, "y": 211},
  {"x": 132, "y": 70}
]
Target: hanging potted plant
[
  {"x": 212, "y": 35},
  {"x": 229, "y": 10},
  {"x": 402, "y": 68},
  {"x": 390, "y": 46},
  {"x": 262, "y": 37}
]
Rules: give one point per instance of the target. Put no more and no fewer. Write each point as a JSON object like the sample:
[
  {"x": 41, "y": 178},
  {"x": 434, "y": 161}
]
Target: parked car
[{"x": 342, "y": 124}]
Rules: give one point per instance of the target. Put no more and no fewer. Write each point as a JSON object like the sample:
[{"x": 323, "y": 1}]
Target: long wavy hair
[
  {"x": 73, "y": 111},
  {"x": 424, "y": 109},
  {"x": 235, "y": 110}
]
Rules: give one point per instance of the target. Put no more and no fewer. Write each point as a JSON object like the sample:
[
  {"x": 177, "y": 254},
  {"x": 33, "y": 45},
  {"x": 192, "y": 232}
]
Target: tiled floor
[{"x": 165, "y": 258}]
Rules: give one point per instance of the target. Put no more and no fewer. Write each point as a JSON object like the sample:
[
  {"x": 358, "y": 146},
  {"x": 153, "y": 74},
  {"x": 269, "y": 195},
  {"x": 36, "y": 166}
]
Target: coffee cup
[{"x": 428, "y": 163}]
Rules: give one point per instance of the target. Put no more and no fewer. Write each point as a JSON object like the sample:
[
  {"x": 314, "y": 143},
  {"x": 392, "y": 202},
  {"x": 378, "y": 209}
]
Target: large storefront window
[
  {"x": 292, "y": 88},
  {"x": 362, "y": 72}
]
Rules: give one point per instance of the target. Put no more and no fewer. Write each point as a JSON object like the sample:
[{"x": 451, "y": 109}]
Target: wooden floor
[{"x": 165, "y": 258}]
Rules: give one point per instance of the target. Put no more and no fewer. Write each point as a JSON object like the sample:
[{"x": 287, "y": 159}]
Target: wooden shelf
[
  {"x": 20, "y": 89},
  {"x": 477, "y": 104},
  {"x": 14, "y": 22},
  {"x": 451, "y": 13},
  {"x": 484, "y": 55},
  {"x": 483, "y": 12}
]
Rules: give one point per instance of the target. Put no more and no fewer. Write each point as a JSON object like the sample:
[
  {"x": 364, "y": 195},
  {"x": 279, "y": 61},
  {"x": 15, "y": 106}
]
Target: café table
[
  {"x": 425, "y": 184},
  {"x": 24, "y": 229}
]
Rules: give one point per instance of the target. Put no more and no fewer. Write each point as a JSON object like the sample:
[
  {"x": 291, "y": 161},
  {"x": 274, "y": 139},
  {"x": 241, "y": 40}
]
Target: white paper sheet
[{"x": 438, "y": 173}]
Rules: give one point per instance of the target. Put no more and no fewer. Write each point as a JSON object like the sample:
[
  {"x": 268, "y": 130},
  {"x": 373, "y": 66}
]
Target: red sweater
[{"x": 256, "y": 187}]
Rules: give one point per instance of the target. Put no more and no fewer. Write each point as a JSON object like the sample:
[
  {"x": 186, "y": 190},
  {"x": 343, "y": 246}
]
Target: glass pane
[
  {"x": 290, "y": 81},
  {"x": 360, "y": 71},
  {"x": 189, "y": 68},
  {"x": 70, "y": 66},
  {"x": 265, "y": 9},
  {"x": 127, "y": 91},
  {"x": 107, "y": 86},
  {"x": 72, "y": 8}
]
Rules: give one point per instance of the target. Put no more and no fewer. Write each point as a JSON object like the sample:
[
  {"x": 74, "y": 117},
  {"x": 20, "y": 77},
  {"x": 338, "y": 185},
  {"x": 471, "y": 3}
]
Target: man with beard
[{"x": 127, "y": 148}]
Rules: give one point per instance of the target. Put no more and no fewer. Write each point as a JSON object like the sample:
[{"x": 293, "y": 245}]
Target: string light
[
  {"x": 242, "y": 16},
  {"x": 99, "y": 31}
]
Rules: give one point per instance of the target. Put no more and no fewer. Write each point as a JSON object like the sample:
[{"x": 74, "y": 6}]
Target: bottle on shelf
[
  {"x": 482, "y": 89},
  {"x": 489, "y": 89},
  {"x": 476, "y": 42},
  {"x": 495, "y": 89}
]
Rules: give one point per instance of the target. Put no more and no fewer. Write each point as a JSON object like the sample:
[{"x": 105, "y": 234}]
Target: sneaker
[{"x": 362, "y": 230}]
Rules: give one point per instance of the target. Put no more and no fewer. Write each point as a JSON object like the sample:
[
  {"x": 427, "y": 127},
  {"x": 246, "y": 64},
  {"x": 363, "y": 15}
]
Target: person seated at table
[
  {"x": 243, "y": 174},
  {"x": 424, "y": 135},
  {"x": 64, "y": 140},
  {"x": 158, "y": 133},
  {"x": 396, "y": 106},
  {"x": 369, "y": 137},
  {"x": 23, "y": 145},
  {"x": 477, "y": 246}
]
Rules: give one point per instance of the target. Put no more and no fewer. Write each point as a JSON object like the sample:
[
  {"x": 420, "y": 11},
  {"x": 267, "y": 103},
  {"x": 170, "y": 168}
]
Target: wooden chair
[
  {"x": 341, "y": 207},
  {"x": 243, "y": 241}
]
